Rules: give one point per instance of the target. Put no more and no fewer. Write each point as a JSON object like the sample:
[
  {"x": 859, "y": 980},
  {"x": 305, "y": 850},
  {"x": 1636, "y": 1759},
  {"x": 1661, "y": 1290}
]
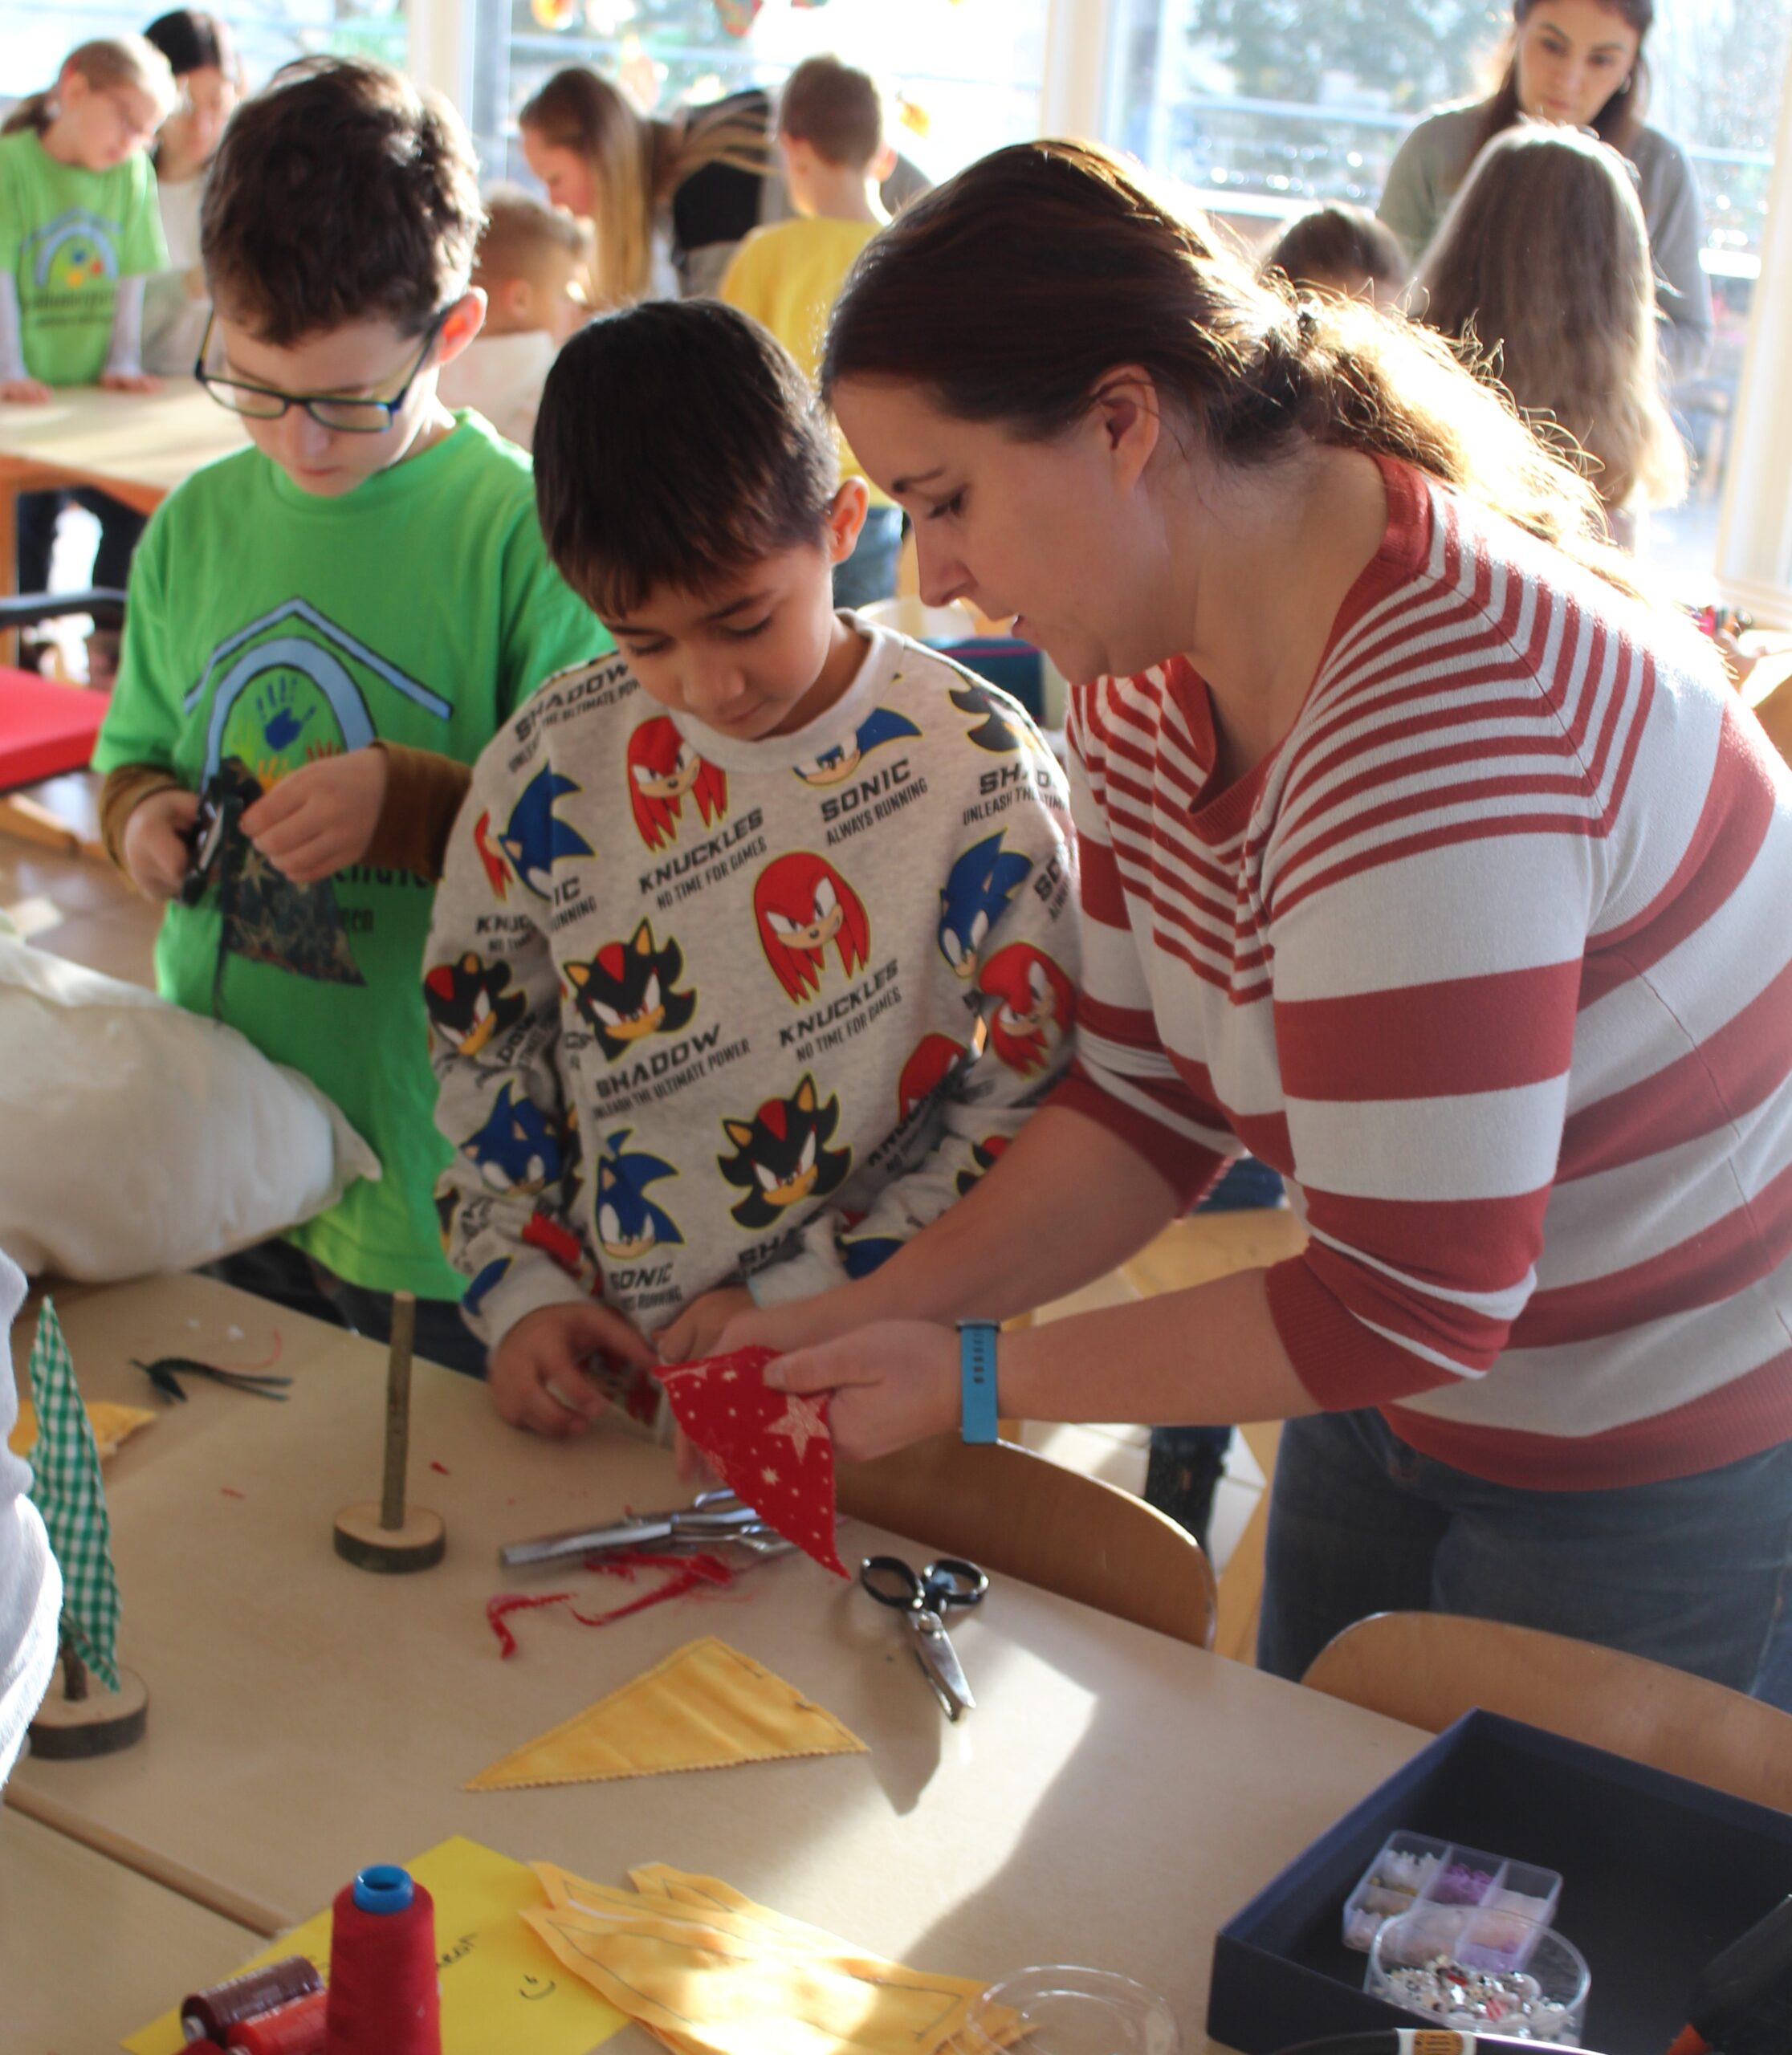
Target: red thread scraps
[{"x": 687, "y": 1574}]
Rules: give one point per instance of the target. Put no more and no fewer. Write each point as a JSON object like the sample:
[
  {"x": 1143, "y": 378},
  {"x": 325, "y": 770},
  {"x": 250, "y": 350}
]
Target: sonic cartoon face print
[
  {"x": 781, "y": 1158},
  {"x": 975, "y": 894},
  {"x": 627, "y": 991},
  {"x": 800, "y": 905},
  {"x": 468, "y": 1004},
  {"x": 663, "y": 769}
]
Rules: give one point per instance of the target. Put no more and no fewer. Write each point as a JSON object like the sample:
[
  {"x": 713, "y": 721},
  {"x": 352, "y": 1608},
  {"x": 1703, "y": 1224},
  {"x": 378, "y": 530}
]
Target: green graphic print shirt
[
  {"x": 67, "y": 236},
  {"x": 267, "y": 627}
]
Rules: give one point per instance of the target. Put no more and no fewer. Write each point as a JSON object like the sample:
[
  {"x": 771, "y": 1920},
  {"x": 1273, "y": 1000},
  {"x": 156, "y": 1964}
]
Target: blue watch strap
[{"x": 977, "y": 1374}]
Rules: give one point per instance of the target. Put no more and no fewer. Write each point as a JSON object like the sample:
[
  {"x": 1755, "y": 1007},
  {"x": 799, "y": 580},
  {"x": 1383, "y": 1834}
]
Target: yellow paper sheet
[
  {"x": 113, "y": 1425},
  {"x": 710, "y": 1973},
  {"x": 501, "y": 1990},
  {"x": 705, "y": 1707}
]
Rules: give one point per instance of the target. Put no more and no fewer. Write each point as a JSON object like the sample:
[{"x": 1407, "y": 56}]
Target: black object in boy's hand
[{"x": 218, "y": 812}]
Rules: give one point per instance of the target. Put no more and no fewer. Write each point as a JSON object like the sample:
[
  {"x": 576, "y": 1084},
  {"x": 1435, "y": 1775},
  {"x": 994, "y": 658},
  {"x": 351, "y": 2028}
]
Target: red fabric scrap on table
[
  {"x": 772, "y": 1448},
  {"x": 688, "y": 1572}
]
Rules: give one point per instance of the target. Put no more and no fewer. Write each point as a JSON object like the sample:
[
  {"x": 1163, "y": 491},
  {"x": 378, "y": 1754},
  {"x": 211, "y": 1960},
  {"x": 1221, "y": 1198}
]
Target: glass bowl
[
  {"x": 1062, "y": 2010},
  {"x": 1481, "y": 1970}
]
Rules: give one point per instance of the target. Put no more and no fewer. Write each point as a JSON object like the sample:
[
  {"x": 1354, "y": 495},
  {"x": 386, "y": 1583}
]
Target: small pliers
[{"x": 161, "y": 1374}]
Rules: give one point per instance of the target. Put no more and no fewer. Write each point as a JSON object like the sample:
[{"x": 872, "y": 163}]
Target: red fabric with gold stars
[{"x": 772, "y": 1448}]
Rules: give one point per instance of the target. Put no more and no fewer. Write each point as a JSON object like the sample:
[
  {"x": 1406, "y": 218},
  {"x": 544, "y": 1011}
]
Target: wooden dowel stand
[{"x": 389, "y": 1536}]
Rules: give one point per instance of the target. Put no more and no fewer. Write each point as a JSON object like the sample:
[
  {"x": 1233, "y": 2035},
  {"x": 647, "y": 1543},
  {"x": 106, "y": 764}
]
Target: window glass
[
  {"x": 965, "y": 74},
  {"x": 1267, "y": 106}
]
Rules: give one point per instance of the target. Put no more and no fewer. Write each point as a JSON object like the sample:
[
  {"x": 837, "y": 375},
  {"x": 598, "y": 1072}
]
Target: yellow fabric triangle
[
  {"x": 705, "y": 1707},
  {"x": 113, "y": 1425}
]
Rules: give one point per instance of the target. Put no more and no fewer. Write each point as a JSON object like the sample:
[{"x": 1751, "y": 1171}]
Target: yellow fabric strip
[{"x": 705, "y": 1707}]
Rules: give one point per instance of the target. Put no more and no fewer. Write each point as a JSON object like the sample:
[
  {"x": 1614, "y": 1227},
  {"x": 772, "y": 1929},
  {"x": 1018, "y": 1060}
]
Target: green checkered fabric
[{"x": 67, "y": 1491}]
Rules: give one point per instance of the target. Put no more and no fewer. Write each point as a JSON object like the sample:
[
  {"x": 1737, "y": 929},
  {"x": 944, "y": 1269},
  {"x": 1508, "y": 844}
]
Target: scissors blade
[
  {"x": 587, "y": 1541},
  {"x": 939, "y": 1663}
]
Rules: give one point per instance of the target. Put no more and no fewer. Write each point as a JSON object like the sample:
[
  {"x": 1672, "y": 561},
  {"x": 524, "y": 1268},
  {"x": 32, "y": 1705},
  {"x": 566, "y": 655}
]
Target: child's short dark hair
[
  {"x": 340, "y": 193},
  {"x": 677, "y": 444},
  {"x": 1338, "y": 245},
  {"x": 837, "y": 110}
]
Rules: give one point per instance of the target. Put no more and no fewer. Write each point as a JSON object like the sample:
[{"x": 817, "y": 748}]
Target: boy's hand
[
  {"x": 697, "y": 1331},
  {"x": 129, "y": 381},
  {"x": 155, "y": 845},
  {"x": 320, "y": 818},
  {"x": 25, "y": 391},
  {"x": 537, "y": 1372}
]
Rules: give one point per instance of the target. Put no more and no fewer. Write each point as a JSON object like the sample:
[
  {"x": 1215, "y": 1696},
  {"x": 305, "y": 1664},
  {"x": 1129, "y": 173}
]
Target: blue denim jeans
[
  {"x": 870, "y": 573},
  {"x": 277, "y": 1269},
  {"x": 1696, "y": 1572}
]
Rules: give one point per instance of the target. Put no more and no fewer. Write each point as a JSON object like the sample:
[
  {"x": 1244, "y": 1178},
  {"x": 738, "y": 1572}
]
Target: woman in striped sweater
[{"x": 1421, "y": 856}]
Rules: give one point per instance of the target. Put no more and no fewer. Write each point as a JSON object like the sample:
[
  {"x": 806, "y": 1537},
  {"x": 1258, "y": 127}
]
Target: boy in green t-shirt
[{"x": 370, "y": 573}]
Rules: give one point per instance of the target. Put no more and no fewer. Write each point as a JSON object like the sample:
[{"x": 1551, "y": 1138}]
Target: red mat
[{"x": 45, "y": 728}]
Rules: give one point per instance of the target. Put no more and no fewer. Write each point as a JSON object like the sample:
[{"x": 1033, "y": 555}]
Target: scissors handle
[{"x": 949, "y": 1581}]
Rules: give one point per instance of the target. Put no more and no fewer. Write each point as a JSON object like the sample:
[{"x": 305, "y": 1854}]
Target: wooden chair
[
  {"x": 1019, "y": 1514},
  {"x": 1429, "y": 1668}
]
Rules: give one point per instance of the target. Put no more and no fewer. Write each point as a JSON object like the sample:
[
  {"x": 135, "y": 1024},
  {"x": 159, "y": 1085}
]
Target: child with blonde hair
[
  {"x": 1542, "y": 267},
  {"x": 79, "y": 233},
  {"x": 533, "y": 266}
]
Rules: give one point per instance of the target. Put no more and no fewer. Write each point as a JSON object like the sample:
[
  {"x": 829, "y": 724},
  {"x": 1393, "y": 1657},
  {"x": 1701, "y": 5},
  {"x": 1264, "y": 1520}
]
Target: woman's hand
[
  {"x": 892, "y": 1384},
  {"x": 321, "y": 818},
  {"x": 25, "y": 392},
  {"x": 129, "y": 381},
  {"x": 797, "y": 1324},
  {"x": 697, "y": 1331}
]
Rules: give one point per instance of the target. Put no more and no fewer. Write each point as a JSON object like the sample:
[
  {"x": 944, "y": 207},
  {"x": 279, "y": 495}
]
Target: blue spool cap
[{"x": 384, "y": 1887}]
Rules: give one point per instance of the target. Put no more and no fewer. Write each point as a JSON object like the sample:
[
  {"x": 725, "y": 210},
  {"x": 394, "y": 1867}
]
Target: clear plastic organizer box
[{"x": 1413, "y": 1870}]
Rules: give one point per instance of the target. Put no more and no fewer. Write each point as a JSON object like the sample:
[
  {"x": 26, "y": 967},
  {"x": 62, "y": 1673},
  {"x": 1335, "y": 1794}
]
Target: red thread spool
[
  {"x": 293, "y": 2029},
  {"x": 210, "y": 2014},
  {"x": 383, "y": 1997}
]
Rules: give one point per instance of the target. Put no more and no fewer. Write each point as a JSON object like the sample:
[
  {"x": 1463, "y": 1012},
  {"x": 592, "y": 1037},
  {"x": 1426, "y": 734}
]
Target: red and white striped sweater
[{"x": 1493, "y": 958}]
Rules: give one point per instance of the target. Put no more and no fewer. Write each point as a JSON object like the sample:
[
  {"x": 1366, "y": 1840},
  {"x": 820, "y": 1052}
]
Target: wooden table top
[
  {"x": 1116, "y": 1797},
  {"x": 84, "y": 1939},
  {"x": 137, "y": 445}
]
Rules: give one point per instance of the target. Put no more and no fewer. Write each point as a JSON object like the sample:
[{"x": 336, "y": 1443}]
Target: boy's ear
[
  {"x": 465, "y": 318},
  {"x": 846, "y": 513},
  {"x": 883, "y": 164}
]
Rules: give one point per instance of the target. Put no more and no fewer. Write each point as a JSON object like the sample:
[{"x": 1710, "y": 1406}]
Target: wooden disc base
[
  {"x": 417, "y": 1545},
  {"x": 99, "y": 1724}
]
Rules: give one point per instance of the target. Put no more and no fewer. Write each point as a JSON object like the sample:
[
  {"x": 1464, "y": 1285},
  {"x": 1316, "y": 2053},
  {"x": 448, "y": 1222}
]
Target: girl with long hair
[
  {"x": 681, "y": 193},
  {"x": 1542, "y": 272},
  {"x": 1578, "y": 64},
  {"x": 1420, "y": 856}
]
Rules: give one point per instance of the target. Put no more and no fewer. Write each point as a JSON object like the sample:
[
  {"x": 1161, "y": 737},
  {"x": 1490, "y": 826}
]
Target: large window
[
  {"x": 966, "y": 74},
  {"x": 36, "y": 39},
  {"x": 1266, "y": 106}
]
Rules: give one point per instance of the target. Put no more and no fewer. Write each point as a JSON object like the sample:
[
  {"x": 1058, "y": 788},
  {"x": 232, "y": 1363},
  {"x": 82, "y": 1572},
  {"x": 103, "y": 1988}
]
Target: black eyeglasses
[{"x": 341, "y": 416}]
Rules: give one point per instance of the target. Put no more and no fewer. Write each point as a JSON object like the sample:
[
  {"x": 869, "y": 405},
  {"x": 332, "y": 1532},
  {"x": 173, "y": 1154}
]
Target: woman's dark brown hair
[
  {"x": 1616, "y": 122},
  {"x": 340, "y": 193},
  {"x": 1010, "y": 293}
]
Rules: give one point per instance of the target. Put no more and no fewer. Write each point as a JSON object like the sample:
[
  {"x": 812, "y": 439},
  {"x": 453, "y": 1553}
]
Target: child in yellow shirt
[{"x": 788, "y": 276}]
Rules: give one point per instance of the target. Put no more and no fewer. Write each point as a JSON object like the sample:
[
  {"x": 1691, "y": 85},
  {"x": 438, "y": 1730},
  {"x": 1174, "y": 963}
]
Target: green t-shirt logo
[
  {"x": 292, "y": 686},
  {"x": 76, "y": 250}
]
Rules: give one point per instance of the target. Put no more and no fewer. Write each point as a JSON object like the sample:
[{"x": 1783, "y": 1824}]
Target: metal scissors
[
  {"x": 161, "y": 1374},
  {"x": 716, "y": 1519},
  {"x": 926, "y": 1599}
]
